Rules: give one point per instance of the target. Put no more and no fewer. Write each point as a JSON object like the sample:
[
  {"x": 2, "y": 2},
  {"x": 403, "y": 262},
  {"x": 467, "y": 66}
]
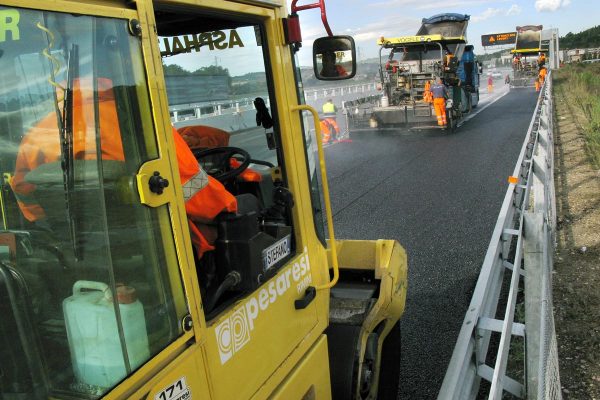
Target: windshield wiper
[{"x": 66, "y": 146}]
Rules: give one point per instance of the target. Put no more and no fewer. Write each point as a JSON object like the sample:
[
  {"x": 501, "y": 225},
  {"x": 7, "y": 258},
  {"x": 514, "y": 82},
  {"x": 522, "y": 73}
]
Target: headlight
[{"x": 449, "y": 103}]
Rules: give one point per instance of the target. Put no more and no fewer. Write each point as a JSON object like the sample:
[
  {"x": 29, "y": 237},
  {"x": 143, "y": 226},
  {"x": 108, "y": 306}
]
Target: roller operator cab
[{"x": 125, "y": 276}]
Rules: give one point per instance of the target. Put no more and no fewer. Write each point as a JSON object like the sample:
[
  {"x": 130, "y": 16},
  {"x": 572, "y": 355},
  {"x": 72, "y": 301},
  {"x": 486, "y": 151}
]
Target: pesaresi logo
[{"x": 234, "y": 332}]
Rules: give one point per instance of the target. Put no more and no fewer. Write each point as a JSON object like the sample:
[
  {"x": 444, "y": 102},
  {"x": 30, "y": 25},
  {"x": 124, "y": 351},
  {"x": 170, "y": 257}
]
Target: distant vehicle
[{"x": 527, "y": 48}]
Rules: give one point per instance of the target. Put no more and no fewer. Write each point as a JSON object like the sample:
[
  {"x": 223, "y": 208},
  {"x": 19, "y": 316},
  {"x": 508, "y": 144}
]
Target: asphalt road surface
[{"x": 439, "y": 195}]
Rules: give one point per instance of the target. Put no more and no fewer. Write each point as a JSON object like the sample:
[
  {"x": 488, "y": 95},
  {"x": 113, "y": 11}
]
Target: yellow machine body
[{"x": 259, "y": 345}]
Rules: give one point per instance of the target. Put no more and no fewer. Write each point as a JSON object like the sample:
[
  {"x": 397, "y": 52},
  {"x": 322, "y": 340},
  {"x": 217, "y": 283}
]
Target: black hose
[{"x": 232, "y": 279}]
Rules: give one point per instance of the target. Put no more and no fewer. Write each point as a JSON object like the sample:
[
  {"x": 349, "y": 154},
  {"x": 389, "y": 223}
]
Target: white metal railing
[
  {"x": 522, "y": 244},
  {"x": 193, "y": 111},
  {"x": 214, "y": 109},
  {"x": 321, "y": 93}
]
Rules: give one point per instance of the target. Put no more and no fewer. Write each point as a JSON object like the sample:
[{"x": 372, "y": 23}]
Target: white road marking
[{"x": 473, "y": 114}]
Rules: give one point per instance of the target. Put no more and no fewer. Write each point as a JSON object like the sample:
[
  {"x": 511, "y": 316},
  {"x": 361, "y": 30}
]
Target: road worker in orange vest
[
  {"x": 329, "y": 130},
  {"x": 490, "y": 82},
  {"x": 541, "y": 60},
  {"x": 440, "y": 94},
  {"x": 448, "y": 60},
  {"x": 205, "y": 198},
  {"x": 541, "y": 78},
  {"x": 542, "y": 75},
  {"x": 427, "y": 96}
]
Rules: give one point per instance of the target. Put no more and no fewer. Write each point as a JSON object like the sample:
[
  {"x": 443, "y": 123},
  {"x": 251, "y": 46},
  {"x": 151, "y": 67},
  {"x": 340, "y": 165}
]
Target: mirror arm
[{"x": 321, "y": 5}]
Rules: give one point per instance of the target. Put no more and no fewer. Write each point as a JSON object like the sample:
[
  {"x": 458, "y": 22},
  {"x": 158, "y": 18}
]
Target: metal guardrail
[
  {"x": 196, "y": 111},
  {"x": 314, "y": 93},
  {"x": 522, "y": 243}
]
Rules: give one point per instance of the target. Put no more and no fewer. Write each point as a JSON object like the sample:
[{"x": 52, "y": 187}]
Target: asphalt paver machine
[
  {"x": 438, "y": 50},
  {"x": 528, "y": 48}
]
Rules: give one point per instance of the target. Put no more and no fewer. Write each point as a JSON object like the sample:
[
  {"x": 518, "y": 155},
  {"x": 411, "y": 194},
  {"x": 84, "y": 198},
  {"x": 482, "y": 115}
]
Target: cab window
[
  {"x": 221, "y": 103},
  {"x": 89, "y": 281}
]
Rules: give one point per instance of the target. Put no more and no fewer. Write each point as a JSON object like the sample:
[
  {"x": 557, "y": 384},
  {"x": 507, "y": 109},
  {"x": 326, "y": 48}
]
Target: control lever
[
  {"x": 262, "y": 114},
  {"x": 283, "y": 200}
]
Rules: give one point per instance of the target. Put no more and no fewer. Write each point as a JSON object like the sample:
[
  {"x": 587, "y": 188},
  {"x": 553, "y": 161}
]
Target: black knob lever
[{"x": 157, "y": 183}]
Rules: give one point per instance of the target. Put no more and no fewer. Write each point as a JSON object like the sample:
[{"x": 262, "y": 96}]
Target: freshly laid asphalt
[{"x": 439, "y": 195}]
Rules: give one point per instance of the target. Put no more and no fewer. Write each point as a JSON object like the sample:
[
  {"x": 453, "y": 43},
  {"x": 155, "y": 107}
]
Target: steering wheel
[{"x": 220, "y": 167}]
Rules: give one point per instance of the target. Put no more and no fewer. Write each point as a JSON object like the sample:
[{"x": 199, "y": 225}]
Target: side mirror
[
  {"x": 480, "y": 66},
  {"x": 334, "y": 58}
]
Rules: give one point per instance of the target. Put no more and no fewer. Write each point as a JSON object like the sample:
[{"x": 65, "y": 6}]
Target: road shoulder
[{"x": 577, "y": 262}]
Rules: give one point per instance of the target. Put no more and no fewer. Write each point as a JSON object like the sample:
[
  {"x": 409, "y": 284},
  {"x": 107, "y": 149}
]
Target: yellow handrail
[{"x": 328, "y": 214}]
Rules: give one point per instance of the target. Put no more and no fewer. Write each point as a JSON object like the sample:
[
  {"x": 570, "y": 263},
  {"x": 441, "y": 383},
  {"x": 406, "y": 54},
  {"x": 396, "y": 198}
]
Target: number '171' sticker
[{"x": 177, "y": 391}]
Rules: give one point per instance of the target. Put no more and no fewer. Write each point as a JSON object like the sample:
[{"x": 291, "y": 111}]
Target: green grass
[{"x": 581, "y": 84}]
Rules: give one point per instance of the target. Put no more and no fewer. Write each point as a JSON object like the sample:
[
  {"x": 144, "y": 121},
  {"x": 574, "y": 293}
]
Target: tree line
[
  {"x": 248, "y": 84},
  {"x": 584, "y": 39}
]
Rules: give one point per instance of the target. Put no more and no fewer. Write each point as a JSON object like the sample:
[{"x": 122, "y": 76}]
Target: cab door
[{"x": 226, "y": 68}]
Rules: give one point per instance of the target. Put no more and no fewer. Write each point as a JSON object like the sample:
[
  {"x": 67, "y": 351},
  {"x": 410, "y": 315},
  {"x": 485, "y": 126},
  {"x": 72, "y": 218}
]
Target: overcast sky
[{"x": 367, "y": 20}]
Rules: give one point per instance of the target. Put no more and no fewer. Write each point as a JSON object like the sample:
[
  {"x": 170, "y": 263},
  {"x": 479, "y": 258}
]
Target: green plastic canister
[{"x": 93, "y": 333}]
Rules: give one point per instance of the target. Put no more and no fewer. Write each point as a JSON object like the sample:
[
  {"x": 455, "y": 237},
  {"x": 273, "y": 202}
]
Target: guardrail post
[{"x": 533, "y": 261}]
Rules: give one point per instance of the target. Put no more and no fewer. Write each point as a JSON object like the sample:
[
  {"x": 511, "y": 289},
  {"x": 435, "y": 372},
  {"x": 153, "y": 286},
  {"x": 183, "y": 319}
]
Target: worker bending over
[
  {"x": 440, "y": 94},
  {"x": 330, "y": 130}
]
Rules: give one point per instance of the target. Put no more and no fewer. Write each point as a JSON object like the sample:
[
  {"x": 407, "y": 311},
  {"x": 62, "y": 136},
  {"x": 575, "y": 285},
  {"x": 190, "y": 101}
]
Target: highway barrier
[
  {"x": 323, "y": 93},
  {"x": 239, "y": 114},
  {"x": 522, "y": 246}
]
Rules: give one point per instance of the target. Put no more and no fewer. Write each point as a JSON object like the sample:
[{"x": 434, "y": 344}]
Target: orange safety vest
[
  {"x": 328, "y": 126},
  {"x": 41, "y": 144},
  {"x": 205, "y": 196},
  {"x": 543, "y": 73},
  {"x": 427, "y": 95}
]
